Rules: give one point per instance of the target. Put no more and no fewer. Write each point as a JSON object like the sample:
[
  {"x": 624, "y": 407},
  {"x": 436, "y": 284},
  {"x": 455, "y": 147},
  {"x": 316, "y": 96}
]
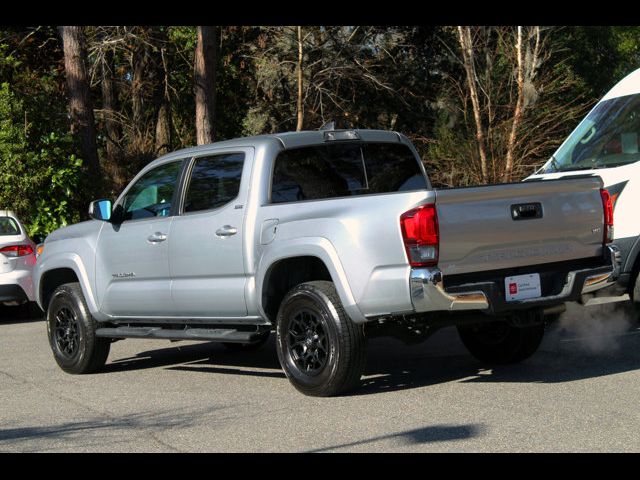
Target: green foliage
[
  {"x": 39, "y": 180},
  {"x": 57, "y": 199}
]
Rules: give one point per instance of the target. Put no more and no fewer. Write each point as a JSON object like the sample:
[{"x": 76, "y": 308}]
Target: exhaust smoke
[{"x": 598, "y": 329}]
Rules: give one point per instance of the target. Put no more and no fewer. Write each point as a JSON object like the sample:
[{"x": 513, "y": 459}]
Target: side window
[
  {"x": 392, "y": 168},
  {"x": 215, "y": 181},
  {"x": 151, "y": 195},
  {"x": 344, "y": 170},
  {"x": 313, "y": 173}
]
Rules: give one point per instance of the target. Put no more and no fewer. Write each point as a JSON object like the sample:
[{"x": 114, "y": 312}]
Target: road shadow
[
  {"x": 206, "y": 357},
  {"x": 561, "y": 358},
  {"x": 102, "y": 432},
  {"x": 392, "y": 366},
  {"x": 430, "y": 434},
  {"x": 20, "y": 314}
]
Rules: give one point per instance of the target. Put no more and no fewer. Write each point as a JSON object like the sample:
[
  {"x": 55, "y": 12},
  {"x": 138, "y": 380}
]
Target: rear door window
[
  {"x": 343, "y": 170},
  {"x": 8, "y": 226},
  {"x": 215, "y": 181}
]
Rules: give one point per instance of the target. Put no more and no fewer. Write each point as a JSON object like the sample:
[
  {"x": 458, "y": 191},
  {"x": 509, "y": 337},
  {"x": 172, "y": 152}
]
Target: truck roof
[
  {"x": 627, "y": 86},
  {"x": 286, "y": 140}
]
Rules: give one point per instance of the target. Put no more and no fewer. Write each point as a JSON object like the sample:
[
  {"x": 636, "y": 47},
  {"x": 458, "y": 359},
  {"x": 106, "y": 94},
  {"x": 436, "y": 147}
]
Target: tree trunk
[
  {"x": 517, "y": 114},
  {"x": 467, "y": 55},
  {"x": 80, "y": 106},
  {"x": 163, "y": 128},
  {"x": 299, "y": 72},
  {"x": 163, "y": 100},
  {"x": 140, "y": 60},
  {"x": 205, "y": 84},
  {"x": 112, "y": 127}
]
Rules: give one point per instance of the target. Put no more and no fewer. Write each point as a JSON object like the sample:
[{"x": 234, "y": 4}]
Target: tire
[
  {"x": 248, "y": 347},
  {"x": 72, "y": 332},
  {"x": 321, "y": 350},
  {"x": 635, "y": 288},
  {"x": 500, "y": 343}
]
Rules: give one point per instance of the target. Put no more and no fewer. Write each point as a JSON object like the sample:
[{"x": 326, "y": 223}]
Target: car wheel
[
  {"x": 500, "y": 342},
  {"x": 321, "y": 350},
  {"x": 248, "y": 347},
  {"x": 72, "y": 332}
]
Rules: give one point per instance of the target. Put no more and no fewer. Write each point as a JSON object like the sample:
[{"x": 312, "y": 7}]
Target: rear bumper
[
  {"x": 12, "y": 293},
  {"x": 16, "y": 285},
  {"x": 429, "y": 292}
]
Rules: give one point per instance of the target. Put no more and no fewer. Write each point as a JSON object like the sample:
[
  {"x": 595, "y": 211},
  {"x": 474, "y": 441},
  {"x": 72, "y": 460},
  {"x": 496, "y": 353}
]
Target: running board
[{"x": 209, "y": 334}]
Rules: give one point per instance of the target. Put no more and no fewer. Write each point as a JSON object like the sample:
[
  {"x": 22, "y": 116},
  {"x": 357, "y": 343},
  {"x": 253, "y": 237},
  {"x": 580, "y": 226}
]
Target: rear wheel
[
  {"x": 500, "y": 342},
  {"x": 72, "y": 332},
  {"x": 322, "y": 352},
  {"x": 635, "y": 287}
]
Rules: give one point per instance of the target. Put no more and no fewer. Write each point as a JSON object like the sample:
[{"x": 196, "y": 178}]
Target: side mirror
[{"x": 100, "y": 210}]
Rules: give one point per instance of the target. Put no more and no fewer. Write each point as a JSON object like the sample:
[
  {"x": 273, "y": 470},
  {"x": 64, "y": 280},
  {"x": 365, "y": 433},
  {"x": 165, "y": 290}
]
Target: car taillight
[
  {"x": 421, "y": 237},
  {"x": 17, "y": 250},
  {"x": 607, "y": 205}
]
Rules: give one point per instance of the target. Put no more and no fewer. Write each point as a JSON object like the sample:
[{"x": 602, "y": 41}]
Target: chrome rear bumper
[{"x": 428, "y": 293}]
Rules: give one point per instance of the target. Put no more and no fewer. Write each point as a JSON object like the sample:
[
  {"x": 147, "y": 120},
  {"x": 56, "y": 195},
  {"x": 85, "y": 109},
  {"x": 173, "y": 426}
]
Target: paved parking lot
[{"x": 580, "y": 392}]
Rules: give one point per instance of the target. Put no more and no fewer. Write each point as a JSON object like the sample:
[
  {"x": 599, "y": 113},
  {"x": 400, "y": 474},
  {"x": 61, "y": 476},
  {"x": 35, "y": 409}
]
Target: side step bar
[{"x": 210, "y": 334}]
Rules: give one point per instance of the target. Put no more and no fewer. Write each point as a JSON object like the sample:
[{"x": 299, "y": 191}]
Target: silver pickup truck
[{"x": 328, "y": 238}]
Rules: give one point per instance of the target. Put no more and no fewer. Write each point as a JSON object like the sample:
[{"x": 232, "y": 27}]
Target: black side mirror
[{"x": 100, "y": 210}]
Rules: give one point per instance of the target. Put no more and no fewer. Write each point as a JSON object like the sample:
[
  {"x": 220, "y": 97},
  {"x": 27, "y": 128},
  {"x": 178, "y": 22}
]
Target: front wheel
[
  {"x": 321, "y": 350},
  {"x": 501, "y": 343},
  {"x": 72, "y": 332}
]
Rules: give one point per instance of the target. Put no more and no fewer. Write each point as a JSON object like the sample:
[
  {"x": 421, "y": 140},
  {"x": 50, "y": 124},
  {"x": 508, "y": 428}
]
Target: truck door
[
  {"x": 206, "y": 240},
  {"x": 132, "y": 265}
]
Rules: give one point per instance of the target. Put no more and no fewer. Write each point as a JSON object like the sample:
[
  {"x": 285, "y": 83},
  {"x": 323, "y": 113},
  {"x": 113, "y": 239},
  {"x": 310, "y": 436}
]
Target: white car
[
  {"x": 607, "y": 144},
  {"x": 17, "y": 258}
]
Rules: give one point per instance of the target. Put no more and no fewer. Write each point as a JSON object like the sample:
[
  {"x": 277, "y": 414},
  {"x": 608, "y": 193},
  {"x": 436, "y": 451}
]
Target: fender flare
[
  {"x": 70, "y": 261},
  {"x": 320, "y": 248}
]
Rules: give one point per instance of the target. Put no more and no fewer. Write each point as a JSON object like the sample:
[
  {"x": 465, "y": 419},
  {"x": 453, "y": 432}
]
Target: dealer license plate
[{"x": 522, "y": 287}]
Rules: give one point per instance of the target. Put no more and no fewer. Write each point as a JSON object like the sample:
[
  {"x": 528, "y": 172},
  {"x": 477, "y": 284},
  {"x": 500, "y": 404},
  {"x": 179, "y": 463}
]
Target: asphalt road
[{"x": 579, "y": 392}]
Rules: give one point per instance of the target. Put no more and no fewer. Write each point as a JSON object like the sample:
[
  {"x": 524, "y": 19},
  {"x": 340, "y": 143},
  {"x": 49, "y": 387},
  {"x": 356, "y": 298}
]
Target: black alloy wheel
[
  {"x": 66, "y": 333},
  {"x": 321, "y": 350}
]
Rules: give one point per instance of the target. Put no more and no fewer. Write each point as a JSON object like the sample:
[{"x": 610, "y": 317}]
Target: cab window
[
  {"x": 152, "y": 194},
  {"x": 215, "y": 181}
]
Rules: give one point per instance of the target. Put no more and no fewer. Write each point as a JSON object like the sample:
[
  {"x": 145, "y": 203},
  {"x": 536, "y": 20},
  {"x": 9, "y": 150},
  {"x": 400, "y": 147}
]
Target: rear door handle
[
  {"x": 226, "y": 231},
  {"x": 157, "y": 237}
]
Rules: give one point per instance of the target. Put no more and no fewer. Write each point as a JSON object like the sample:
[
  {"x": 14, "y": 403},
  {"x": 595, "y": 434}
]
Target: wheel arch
[
  {"x": 297, "y": 262},
  {"x": 65, "y": 269}
]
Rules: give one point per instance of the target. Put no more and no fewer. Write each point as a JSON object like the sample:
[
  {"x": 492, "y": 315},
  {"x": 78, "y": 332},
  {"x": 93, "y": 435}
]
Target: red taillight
[
  {"x": 421, "y": 237},
  {"x": 607, "y": 205},
  {"x": 16, "y": 250}
]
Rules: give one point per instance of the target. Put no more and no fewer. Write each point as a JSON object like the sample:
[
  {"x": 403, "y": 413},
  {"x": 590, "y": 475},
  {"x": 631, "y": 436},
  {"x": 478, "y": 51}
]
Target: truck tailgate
[{"x": 521, "y": 224}]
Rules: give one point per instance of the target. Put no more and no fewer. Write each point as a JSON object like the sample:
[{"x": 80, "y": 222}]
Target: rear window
[
  {"x": 344, "y": 170},
  {"x": 8, "y": 226}
]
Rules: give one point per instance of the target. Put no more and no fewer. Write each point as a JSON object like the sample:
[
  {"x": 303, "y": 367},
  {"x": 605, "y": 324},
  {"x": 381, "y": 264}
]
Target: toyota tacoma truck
[{"x": 327, "y": 238}]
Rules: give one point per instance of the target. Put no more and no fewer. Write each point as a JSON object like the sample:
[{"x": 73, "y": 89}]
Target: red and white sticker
[{"x": 522, "y": 287}]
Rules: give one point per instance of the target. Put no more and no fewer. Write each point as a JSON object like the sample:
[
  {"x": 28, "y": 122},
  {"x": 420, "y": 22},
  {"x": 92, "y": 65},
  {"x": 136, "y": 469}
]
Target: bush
[{"x": 39, "y": 178}]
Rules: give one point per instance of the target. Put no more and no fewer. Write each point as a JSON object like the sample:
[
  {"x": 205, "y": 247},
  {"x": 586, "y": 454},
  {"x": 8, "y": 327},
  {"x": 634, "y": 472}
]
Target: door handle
[
  {"x": 157, "y": 237},
  {"x": 226, "y": 231}
]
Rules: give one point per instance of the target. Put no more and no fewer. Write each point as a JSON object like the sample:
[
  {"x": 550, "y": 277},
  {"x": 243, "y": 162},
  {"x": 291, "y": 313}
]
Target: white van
[{"x": 607, "y": 143}]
